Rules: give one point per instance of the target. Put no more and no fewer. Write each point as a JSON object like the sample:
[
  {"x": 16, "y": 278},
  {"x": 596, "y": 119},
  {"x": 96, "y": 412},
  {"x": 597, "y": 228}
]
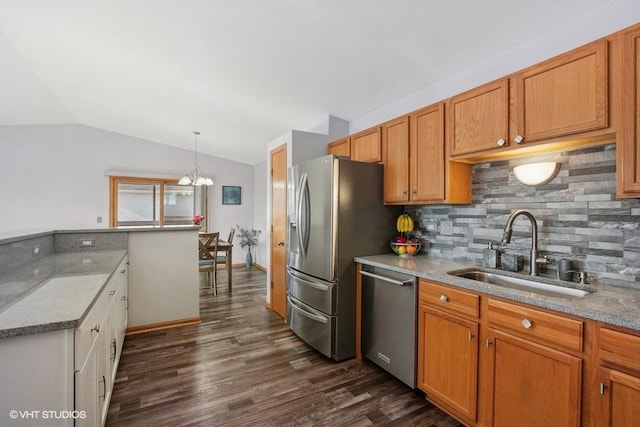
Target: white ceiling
[{"x": 242, "y": 72}]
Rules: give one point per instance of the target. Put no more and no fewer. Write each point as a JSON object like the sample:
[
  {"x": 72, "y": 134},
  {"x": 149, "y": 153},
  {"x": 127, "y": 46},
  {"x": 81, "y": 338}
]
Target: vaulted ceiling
[{"x": 242, "y": 72}]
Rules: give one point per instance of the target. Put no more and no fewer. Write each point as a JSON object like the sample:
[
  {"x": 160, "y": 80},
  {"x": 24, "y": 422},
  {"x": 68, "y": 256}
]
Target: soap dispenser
[{"x": 490, "y": 256}]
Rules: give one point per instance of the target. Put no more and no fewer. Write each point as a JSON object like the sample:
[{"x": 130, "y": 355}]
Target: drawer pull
[
  {"x": 526, "y": 323},
  {"x": 96, "y": 329},
  {"x": 444, "y": 298}
]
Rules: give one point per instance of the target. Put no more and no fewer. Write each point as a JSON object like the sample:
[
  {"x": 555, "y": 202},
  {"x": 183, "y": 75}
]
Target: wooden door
[
  {"x": 395, "y": 156},
  {"x": 278, "y": 230},
  {"x": 620, "y": 394},
  {"x": 532, "y": 385},
  {"x": 340, "y": 147},
  {"x": 448, "y": 360},
  {"x": 628, "y": 144},
  {"x": 562, "y": 96},
  {"x": 478, "y": 120},
  {"x": 427, "y": 155},
  {"x": 366, "y": 145}
]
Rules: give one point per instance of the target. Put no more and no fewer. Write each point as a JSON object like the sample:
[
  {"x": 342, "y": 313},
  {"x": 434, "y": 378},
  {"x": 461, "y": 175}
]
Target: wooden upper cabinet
[
  {"x": 565, "y": 95},
  {"x": 395, "y": 156},
  {"x": 427, "y": 156},
  {"x": 628, "y": 106},
  {"x": 478, "y": 120},
  {"x": 340, "y": 147},
  {"x": 366, "y": 145}
]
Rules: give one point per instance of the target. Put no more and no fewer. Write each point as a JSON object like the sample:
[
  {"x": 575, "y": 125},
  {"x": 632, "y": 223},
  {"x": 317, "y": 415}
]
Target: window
[{"x": 151, "y": 201}]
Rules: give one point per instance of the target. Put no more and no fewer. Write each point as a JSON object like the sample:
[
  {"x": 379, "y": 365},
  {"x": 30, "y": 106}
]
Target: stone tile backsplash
[{"x": 579, "y": 217}]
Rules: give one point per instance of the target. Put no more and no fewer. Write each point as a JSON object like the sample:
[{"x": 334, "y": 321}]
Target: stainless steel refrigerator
[{"x": 335, "y": 212}]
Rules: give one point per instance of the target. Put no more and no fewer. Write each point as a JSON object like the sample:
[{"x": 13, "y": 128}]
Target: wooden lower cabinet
[
  {"x": 620, "y": 399},
  {"x": 531, "y": 384},
  {"x": 448, "y": 366}
]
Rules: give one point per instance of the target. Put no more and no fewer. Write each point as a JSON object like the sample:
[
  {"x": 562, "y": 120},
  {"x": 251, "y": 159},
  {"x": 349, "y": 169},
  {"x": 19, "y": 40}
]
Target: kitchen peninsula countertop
[
  {"x": 54, "y": 292},
  {"x": 615, "y": 305}
]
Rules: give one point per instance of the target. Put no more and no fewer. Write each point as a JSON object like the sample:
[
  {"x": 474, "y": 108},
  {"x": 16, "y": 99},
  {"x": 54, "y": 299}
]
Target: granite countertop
[
  {"x": 54, "y": 292},
  {"x": 615, "y": 305}
]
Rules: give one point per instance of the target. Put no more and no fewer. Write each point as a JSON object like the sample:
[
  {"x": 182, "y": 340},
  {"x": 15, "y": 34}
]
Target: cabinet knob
[
  {"x": 518, "y": 139},
  {"x": 444, "y": 298},
  {"x": 112, "y": 293},
  {"x": 501, "y": 142},
  {"x": 415, "y": 191},
  {"x": 123, "y": 271},
  {"x": 526, "y": 323},
  {"x": 123, "y": 298},
  {"x": 280, "y": 243}
]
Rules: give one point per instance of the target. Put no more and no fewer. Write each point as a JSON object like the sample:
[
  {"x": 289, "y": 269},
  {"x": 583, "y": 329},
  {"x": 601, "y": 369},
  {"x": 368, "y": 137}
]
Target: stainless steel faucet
[{"x": 506, "y": 238}]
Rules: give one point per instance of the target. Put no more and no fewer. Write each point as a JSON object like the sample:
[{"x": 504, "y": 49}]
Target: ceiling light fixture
[
  {"x": 536, "y": 174},
  {"x": 195, "y": 178}
]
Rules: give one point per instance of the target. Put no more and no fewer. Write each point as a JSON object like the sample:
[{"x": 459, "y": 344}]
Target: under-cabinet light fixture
[
  {"x": 536, "y": 174},
  {"x": 195, "y": 178}
]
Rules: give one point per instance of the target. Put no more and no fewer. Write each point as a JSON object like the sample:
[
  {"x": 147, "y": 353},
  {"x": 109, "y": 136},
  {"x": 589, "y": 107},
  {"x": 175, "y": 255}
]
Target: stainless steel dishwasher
[{"x": 389, "y": 321}]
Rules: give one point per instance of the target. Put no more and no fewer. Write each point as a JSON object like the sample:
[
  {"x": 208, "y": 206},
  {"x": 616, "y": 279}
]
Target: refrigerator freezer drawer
[
  {"x": 315, "y": 328},
  {"x": 316, "y": 293}
]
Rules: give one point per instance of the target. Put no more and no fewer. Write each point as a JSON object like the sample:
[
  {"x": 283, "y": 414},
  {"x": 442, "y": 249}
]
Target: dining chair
[
  {"x": 222, "y": 259},
  {"x": 207, "y": 250}
]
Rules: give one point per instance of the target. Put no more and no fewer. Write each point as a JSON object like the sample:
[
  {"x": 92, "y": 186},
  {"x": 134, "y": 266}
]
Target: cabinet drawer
[
  {"x": 620, "y": 348},
  {"x": 449, "y": 299},
  {"x": 538, "y": 325},
  {"x": 92, "y": 325}
]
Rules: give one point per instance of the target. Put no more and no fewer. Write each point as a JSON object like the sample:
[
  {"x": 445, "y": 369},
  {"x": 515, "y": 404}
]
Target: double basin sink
[{"x": 534, "y": 284}]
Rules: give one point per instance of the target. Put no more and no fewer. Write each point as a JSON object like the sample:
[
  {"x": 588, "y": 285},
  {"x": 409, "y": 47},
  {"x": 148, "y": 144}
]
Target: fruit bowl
[{"x": 405, "y": 249}]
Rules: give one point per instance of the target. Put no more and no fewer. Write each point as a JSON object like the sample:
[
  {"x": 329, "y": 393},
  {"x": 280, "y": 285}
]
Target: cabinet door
[
  {"x": 448, "y": 360},
  {"x": 427, "y": 154},
  {"x": 341, "y": 147},
  {"x": 395, "y": 156},
  {"x": 533, "y": 385},
  {"x": 628, "y": 147},
  {"x": 366, "y": 145},
  {"x": 620, "y": 394},
  {"x": 562, "y": 96},
  {"x": 86, "y": 392},
  {"x": 478, "y": 120}
]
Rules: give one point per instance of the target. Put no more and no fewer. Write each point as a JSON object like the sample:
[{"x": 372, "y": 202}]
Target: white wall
[
  {"x": 260, "y": 213},
  {"x": 583, "y": 28},
  {"x": 53, "y": 177}
]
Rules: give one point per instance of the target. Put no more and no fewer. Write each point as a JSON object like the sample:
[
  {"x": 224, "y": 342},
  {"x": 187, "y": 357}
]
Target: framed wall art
[{"x": 231, "y": 195}]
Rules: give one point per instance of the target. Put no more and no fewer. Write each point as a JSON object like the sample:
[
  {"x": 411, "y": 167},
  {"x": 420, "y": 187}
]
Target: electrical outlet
[
  {"x": 99, "y": 220},
  {"x": 36, "y": 249},
  {"x": 87, "y": 243}
]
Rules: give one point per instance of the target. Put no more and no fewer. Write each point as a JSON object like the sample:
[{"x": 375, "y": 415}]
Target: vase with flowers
[
  {"x": 198, "y": 220},
  {"x": 248, "y": 238}
]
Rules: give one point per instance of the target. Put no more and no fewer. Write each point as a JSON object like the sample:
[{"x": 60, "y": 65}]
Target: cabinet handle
[
  {"x": 112, "y": 293},
  {"x": 96, "y": 329},
  {"x": 280, "y": 243},
  {"x": 501, "y": 142},
  {"x": 518, "y": 139},
  {"x": 414, "y": 191},
  {"x": 603, "y": 388},
  {"x": 123, "y": 271},
  {"x": 489, "y": 343},
  {"x": 444, "y": 298},
  {"x": 404, "y": 192},
  {"x": 471, "y": 336},
  {"x": 114, "y": 345},
  {"x": 123, "y": 298},
  {"x": 104, "y": 388},
  {"x": 526, "y": 323}
]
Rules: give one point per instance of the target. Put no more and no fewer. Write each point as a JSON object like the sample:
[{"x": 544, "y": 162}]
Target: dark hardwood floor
[{"x": 243, "y": 366}]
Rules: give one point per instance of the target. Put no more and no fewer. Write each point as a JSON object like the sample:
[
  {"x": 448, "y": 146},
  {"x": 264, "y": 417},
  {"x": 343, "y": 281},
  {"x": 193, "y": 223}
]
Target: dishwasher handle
[{"x": 388, "y": 279}]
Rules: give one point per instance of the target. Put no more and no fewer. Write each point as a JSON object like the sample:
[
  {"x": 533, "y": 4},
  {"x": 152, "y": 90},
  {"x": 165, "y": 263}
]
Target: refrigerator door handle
[
  {"x": 303, "y": 197},
  {"x": 387, "y": 279},
  {"x": 318, "y": 286},
  {"x": 306, "y": 313}
]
